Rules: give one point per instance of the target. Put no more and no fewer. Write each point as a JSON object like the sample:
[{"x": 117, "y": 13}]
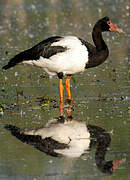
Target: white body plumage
[
  {"x": 71, "y": 61},
  {"x": 72, "y": 133}
]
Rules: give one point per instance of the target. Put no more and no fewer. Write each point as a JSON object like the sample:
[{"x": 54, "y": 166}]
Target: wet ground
[{"x": 29, "y": 98}]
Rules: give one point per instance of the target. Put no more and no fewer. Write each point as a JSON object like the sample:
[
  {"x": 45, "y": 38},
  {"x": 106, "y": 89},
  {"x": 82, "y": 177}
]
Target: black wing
[
  {"x": 43, "y": 49},
  {"x": 47, "y": 145}
]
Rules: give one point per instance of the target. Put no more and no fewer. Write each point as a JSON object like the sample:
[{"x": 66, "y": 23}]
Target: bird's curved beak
[
  {"x": 117, "y": 164},
  {"x": 113, "y": 27}
]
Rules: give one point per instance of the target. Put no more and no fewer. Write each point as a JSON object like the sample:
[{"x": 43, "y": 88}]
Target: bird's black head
[
  {"x": 109, "y": 167},
  {"x": 106, "y": 25},
  {"x": 106, "y": 167}
]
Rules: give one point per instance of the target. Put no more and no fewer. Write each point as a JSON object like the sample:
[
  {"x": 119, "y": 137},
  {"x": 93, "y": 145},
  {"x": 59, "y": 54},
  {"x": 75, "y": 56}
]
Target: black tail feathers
[
  {"x": 9, "y": 65},
  {"x": 15, "y": 60},
  {"x": 17, "y": 132},
  {"x": 11, "y": 128},
  {"x": 5, "y": 67}
]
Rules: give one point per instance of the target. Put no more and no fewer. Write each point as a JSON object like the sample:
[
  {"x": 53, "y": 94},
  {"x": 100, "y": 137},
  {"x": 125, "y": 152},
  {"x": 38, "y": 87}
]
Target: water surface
[{"x": 101, "y": 94}]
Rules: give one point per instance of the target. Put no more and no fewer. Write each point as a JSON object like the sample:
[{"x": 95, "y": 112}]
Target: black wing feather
[
  {"x": 47, "y": 145},
  {"x": 43, "y": 49}
]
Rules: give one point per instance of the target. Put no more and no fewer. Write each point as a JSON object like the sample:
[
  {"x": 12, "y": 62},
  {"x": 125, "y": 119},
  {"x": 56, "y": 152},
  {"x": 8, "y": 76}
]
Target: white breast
[
  {"x": 71, "y": 61},
  {"x": 77, "y": 137}
]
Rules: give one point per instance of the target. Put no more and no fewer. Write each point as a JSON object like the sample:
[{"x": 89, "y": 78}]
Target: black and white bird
[
  {"x": 69, "y": 138},
  {"x": 67, "y": 55}
]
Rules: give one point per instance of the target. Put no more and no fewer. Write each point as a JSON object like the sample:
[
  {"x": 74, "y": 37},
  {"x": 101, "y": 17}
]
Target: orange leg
[
  {"x": 68, "y": 112},
  {"x": 68, "y": 87},
  {"x": 61, "y": 88},
  {"x": 61, "y": 109}
]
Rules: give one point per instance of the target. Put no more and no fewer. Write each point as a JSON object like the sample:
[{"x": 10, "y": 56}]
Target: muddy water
[{"x": 29, "y": 98}]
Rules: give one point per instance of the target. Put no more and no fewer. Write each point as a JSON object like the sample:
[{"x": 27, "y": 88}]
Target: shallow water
[{"x": 101, "y": 94}]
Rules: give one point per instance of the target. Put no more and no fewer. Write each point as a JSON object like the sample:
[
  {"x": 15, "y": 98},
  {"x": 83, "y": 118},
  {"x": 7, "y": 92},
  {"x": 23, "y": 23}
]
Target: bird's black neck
[
  {"x": 97, "y": 38},
  {"x": 98, "y": 54},
  {"x": 102, "y": 164},
  {"x": 101, "y": 139}
]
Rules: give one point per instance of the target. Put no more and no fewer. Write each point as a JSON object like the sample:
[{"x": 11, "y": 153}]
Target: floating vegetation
[
  {"x": 104, "y": 98},
  {"x": 47, "y": 103},
  {"x": 44, "y": 76},
  {"x": 4, "y": 107},
  {"x": 44, "y": 100}
]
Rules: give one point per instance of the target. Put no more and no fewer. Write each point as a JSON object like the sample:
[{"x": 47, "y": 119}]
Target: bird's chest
[
  {"x": 74, "y": 61},
  {"x": 78, "y": 141}
]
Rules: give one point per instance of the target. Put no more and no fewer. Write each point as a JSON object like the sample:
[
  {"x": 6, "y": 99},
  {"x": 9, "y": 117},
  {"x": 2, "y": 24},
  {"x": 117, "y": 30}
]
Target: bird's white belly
[
  {"x": 68, "y": 63},
  {"x": 73, "y": 60},
  {"x": 78, "y": 141}
]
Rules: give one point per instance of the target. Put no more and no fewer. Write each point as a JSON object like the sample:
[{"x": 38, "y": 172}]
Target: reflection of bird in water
[
  {"x": 67, "y": 55},
  {"x": 70, "y": 138}
]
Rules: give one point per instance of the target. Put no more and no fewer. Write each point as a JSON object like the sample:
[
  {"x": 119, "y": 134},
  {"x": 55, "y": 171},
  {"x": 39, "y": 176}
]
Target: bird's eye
[{"x": 108, "y": 22}]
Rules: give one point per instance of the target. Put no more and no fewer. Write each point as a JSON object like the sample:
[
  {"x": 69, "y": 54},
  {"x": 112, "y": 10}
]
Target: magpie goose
[{"x": 67, "y": 55}]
